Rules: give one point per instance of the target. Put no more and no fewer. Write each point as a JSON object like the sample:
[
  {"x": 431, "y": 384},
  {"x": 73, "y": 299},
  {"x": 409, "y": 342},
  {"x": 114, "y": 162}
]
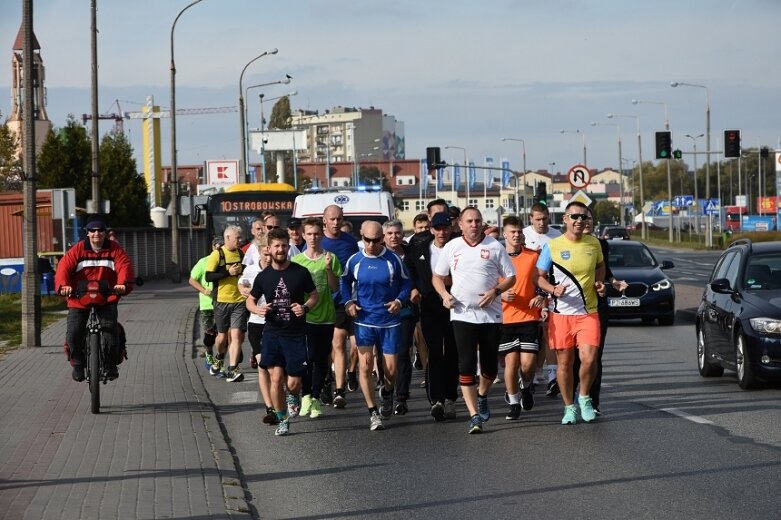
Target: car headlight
[
  {"x": 662, "y": 285},
  {"x": 766, "y": 325}
]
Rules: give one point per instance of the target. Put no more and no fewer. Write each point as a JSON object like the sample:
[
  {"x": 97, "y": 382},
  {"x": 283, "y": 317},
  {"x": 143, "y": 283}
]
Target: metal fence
[{"x": 150, "y": 249}]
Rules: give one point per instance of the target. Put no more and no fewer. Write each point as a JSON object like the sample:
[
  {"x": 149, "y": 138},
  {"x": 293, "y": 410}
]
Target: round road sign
[{"x": 579, "y": 176}]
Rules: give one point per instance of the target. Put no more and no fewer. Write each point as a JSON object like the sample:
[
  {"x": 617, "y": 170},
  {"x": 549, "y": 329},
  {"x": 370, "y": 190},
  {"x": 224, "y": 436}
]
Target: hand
[
  {"x": 486, "y": 298},
  {"x": 298, "y": 309},
  {"x": 508, "y": 295},
  {"x": 619, "y": 285},
  {"x": 234, "y": 269},
  {"x": 263, "y": 309},
  {"x": 352, "y": 309},
  {"x": 543, "y": 314},
  {"x": 559, "y": 290},
  {"x": 415, "y": 296},
  {"x": 393, "y": 307},
  {"x": 601, "y": 288},
  {"x": 328, "y": 262},
  {"x": 538, "y": 302},
  {"x": 448, "y": 301},
  {"x": 207, "y": 292},
  {"x": 66, "y": 290}
]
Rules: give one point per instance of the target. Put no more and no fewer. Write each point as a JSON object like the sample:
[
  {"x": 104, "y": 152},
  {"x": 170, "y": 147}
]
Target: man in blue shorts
[
  {"x": 285, "y": 287},
  {"x": 380, "y": 284}
]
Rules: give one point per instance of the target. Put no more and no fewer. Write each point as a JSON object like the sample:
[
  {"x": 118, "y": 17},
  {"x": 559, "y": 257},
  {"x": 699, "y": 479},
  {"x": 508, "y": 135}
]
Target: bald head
[
  {"x": 371, "y": 228},
  {"x": 332, "y": 221}
]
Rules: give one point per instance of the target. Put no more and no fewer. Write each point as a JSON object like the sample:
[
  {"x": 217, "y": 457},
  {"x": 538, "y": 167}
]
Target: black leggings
[
  {"x": 318, "y": 338},
  {"x": 473, "y": 339}
]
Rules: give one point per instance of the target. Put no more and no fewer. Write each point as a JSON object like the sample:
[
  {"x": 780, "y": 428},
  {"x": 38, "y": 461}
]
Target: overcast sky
[{"x": 456, "y": 73}]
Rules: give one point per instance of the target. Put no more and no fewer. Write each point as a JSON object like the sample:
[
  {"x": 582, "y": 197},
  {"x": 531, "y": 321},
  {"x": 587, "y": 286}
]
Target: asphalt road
[
  {"x": 691, "y": 267},
  {"x": 670, "y": 444}
]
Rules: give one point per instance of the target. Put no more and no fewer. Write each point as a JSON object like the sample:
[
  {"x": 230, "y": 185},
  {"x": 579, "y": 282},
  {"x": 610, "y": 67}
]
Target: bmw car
[
  {"x": 650, "y": 294},
  {"x": 739, "y": 318}
]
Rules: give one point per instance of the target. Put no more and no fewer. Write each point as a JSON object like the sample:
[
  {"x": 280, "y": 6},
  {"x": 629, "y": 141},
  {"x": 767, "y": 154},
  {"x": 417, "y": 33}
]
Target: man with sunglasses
[
  {"x": 375, "y": 286},
  {"x": 268, "y": 223},
  {"x": 571, "y": 269},
  {"x": 94, "y": 258}
]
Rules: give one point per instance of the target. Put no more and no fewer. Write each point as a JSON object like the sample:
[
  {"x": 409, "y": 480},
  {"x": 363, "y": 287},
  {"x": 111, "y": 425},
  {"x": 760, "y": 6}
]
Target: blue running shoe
[
  {"x": 570, "y": 414},
  {"x": 587, "y": 411},
  {"x": 482, "y": 408},
  {"x": 475, "y": 424}
]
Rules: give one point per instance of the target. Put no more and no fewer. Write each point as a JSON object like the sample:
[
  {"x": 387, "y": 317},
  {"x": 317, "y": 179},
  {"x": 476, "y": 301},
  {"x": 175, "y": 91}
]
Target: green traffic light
[{"x": 663, "y": 154}]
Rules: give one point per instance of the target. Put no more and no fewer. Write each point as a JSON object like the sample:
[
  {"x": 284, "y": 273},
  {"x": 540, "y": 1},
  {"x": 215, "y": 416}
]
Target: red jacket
[{"x": 111, "y": 263}]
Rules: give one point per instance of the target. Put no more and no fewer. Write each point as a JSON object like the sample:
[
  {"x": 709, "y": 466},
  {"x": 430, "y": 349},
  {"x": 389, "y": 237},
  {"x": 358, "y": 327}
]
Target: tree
[
  {"x": 372, "y": 176},
  {"x": 65, "y": 160},
  {"x": 280, "y": 120},
  {"x": 606, "y": 211},
  {"x": 121, "y": 184},
  {"x": 10, "y": 165}
]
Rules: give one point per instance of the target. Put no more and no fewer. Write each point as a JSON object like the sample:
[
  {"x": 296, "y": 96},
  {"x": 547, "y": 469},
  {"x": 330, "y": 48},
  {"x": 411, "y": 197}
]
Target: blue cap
[
  {"x": 440, "y": 219},
  {"x": 96, "y": 224}
]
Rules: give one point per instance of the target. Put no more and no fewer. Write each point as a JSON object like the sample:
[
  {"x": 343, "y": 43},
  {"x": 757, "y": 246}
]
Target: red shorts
[{"x": 565, "y": 331}]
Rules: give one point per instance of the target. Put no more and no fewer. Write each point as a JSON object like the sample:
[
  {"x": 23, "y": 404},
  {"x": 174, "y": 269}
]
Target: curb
[{"x": 689, "y": 315}]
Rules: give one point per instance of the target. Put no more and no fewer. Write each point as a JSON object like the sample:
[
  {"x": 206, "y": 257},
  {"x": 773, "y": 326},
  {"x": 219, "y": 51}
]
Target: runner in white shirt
[
  {"x": 537, "y": 235},
  {"x": 475, "y": 263}
]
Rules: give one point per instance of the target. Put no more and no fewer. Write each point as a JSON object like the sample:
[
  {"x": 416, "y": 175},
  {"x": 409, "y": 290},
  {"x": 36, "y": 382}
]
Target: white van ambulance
[{"x": 357, "y": 203}]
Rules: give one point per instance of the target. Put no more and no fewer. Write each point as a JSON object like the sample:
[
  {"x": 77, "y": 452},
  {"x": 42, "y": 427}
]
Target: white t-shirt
[
  {"x": 535, "y": 241},
  {"x": 248, "y": 277},
  {"x": 475, "y": 270},
  {"x": 252, "y": 256}
]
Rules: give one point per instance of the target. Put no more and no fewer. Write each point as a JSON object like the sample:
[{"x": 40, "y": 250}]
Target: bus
[{"x": 239, "y": 204}]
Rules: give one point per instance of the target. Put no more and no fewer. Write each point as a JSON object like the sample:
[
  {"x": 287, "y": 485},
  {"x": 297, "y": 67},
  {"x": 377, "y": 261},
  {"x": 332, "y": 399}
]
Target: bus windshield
[{"x": 241, "y": 203}]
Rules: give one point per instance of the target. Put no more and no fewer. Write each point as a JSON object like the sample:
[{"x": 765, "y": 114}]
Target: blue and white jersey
[{"x": 372, "y": 282}]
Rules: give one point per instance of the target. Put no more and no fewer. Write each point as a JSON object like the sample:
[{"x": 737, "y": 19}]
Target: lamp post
[
  {"x": 708, "y": 231},
  {"x": 621, "y": 218},
  {"x": 243, "y": 142},
  {"x": 246, "y": 109},
  {"x": 669, "y": 176},
  {"x": 583, "y": 134},
  {"x": 523, "y": 176},
  {"x": 175, "y": 261},
  {"x": 263, "y": 139},
  {"x": 696, "y": 196},
  {"x": 466, "y": 171},
  {"x": 643, "y": 231}
]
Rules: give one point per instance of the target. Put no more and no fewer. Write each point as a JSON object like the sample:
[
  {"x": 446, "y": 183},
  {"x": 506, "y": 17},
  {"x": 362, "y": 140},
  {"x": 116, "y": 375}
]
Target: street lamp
[
  {"x": 525, "y": 203},
  {"x": 643, "y": 231},
  {"x": 669, "y": 176},
  {"x": 466, "y": 170},
  {"x": 241, "y": 109},
  {"x": 175, "y": 260},
  {"x": 583, "y": 134},
  {"x": 620, "y": 171},
  {"x": 262, "y": 137},
  {"x": 696, "y": 196}
]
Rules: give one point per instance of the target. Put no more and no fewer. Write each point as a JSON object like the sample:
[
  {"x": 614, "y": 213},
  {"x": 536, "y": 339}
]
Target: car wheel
[
  {"x": 746, "y": 377},
  {"x": 667, "y": 320},
  {"x": 706, "y": 368}
]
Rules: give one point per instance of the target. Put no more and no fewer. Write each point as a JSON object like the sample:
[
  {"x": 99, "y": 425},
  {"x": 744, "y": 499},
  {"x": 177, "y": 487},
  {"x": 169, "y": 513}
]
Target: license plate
[{"x": 623, "y": 302}]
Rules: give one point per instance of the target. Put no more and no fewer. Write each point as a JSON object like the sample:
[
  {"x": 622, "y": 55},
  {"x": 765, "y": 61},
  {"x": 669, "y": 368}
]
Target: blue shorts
[
  {"x": 386, "y": 338},
  {"x": 288, "y": 352}
]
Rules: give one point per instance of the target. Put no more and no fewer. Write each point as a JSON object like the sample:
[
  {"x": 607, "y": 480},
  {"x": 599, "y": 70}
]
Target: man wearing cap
[
  {"x": 296, "y": 232},
  {"x": 94, "y": 258}
]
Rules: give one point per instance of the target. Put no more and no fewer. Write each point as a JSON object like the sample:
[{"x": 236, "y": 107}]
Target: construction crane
[
  {"x": 116, "y": 116},
  {"x": 181, "y": 112}
]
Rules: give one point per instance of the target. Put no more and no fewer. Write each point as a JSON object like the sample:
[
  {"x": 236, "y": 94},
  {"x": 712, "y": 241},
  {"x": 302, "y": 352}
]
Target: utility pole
[{"x": 95, "y": 119}]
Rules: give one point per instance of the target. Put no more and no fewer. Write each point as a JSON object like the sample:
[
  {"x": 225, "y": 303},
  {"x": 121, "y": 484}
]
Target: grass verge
[{"x": 11, "y": 318}]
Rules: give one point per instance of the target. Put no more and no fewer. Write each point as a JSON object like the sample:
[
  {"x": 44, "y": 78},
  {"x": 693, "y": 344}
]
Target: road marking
[
  {"x": 687, "y": 416},
  {"x": 245, "y": 397}
]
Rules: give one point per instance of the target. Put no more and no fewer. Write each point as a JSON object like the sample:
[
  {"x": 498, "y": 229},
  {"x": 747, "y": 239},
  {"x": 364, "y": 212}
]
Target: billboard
[
  {"x": 278, "y": 140},
  {"x": 222, "y": 173}
]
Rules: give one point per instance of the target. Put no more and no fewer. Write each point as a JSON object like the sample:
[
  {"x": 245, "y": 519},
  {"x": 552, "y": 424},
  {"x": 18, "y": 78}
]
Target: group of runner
[{"x": 326, "y": 302}]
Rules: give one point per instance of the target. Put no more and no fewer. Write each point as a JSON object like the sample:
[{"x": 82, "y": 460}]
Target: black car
[
  {"x": 614, "y": 233},
  {"x": 650, "y": 294},
  {"x": 739, "y": 318}
]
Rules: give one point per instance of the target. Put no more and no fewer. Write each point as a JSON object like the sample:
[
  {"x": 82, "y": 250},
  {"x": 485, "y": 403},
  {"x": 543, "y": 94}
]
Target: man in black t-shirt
[{"x": 290, "y": 292}]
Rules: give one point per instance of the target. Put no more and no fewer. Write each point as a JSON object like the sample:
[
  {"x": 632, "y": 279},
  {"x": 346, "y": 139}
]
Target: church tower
[{"x": 15, "y": 123}]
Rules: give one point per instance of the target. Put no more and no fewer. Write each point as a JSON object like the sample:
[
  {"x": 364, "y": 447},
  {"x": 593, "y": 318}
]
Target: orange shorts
[{"x": 566, "y": 331}]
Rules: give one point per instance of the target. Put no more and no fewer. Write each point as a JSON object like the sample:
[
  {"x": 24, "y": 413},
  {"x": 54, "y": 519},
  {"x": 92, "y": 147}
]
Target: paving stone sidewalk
[{"x": 156, "y": 450}]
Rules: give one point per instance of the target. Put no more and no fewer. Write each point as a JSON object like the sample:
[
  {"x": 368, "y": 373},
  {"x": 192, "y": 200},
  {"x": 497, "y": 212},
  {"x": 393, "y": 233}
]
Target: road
[
  {"x": 670, "y": 444},
  {"x": 691, "y": 267}
]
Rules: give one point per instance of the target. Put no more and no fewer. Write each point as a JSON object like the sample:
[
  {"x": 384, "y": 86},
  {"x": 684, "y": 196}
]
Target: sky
[{"x": 456, "y": 73}]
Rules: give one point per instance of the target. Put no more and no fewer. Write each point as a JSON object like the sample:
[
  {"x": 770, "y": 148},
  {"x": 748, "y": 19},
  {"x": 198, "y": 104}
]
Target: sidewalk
[{"x": 156, "y": 450}]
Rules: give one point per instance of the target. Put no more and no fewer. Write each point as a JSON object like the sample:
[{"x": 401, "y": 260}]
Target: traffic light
[
  {"x": 664, "y": 145},
  {"x": 433, "y": 157},
  {"x": 731, "y": 143},
  {"x": 764, "y": 152},
  {"x": 541, "y": 195},
  {"x": 677, "y": 154}
]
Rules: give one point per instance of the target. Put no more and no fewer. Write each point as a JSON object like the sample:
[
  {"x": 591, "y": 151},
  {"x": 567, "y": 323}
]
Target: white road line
[{"x": 687, "y": 416}]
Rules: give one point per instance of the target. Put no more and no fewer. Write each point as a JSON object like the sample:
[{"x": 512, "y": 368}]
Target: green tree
[
  {"x": 280, "y": 120},
  {"x": 121, "y": 184},
  {"x": 10, "y": 165},
  {"x": 65, "y": 161},
  {"x": 606, "y": 212},
  {"x": 372, "y": 176}
]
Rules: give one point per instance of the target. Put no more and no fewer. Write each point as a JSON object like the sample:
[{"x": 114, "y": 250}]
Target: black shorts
[
  {"x": 288, "y": 352},
  {"x": 343, "y": 321},
  {"x": 254, "y": 336},
  {"x": 520, "y": 337}
]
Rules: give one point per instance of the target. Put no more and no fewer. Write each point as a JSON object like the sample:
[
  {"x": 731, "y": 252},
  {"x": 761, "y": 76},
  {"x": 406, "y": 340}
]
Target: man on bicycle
[{"x": 95, "y": 258}]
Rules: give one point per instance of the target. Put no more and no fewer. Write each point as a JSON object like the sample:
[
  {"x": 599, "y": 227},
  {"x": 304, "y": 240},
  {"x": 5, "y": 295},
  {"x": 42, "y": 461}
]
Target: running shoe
[
  {"x": 553, "y": 388},
  {"x": 253, "y": 362},
  {"x": 352, "y": 381},
  {"x": 270, "y": 417},
  {"x": 400, "y": 408},
  {"x": 570, "y": 414},
  {"x": 316, "y": 411},
  {"x": 482, "y": 408},
  {"x": 306, "y": 405},
  {"x": 438, "y": 411},
  {"x": 514, "y": 412},
  {"x": 208, "y": 361},
  {"x": 234, "y": 375},
  {"x": 417, "y": 362},
  {"x": 375, "y": 423},
  {"x": 386, "y": 409},
  {"x": 475, "y": 424},
  {"x": 423, "y": 384},
  {"x": 527, "y": 399},
  {"x": 283, "y": 428},
  {"x": 586, "y": 408},
  {"x": 112, "y": 372},
  {"x": 339, "y": 400},
  {"x": 216, "y": 367},
  {"x": 597, "y": 411},
  {"x": 450, "y": 409},
  {"x": 326, "y": 394},
  {"x": 78, "y": 373},
  {"x": 293, "y": 405}
]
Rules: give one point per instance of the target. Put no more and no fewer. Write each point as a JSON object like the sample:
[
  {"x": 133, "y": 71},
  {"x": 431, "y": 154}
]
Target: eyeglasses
[
  {"x": 271, "y": 227},
  {"x": 578, "y": 216},
  {"x": 368, "y": 240},
  {"x": 96, "y": 230}
]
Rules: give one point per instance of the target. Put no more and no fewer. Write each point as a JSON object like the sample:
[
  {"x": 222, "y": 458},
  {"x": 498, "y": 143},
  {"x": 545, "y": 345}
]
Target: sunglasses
[
  {"x": 96, "y": 230},
  {"x": 368, "y": 240},
  {"x": 578, "y": 216},
  {"x": 272, "y": 227}
]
